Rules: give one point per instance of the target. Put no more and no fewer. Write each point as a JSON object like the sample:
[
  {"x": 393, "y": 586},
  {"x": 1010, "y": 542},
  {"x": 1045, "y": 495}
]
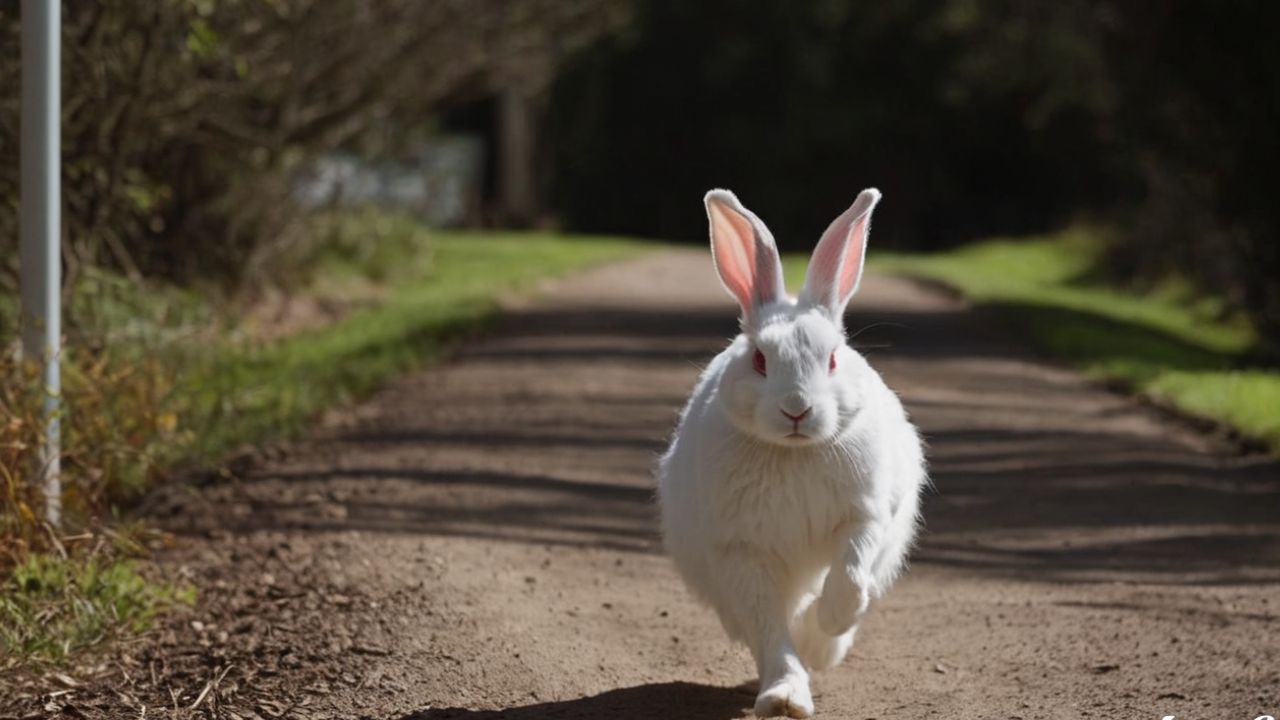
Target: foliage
[
  {"x": 975, "y": 117},
  {"x": 1201, "y": 96},
  {"x": 156, "y": 376},
  {"x": 52, "y": 606},
  {"x": 117, "y": 425},
  {"x": 1168, "y": 342},
  {"x": 966, "y": 113},
  {"x": 185, "y": 121}
]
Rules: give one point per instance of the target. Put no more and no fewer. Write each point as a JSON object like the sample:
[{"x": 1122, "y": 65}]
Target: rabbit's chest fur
[{"x": 784, "y": 501}]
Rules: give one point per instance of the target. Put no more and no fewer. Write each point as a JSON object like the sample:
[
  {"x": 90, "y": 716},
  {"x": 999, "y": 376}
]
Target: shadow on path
[
  {"x": 672, "y": 701},
  {"x": 547, "y": 431}
]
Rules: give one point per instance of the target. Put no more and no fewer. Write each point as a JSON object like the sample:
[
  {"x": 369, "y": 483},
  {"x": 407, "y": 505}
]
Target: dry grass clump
[{"x": 117, "y": 427}]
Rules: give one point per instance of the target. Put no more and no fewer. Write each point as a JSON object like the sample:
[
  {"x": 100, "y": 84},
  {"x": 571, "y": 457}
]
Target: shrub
[{"x": 185, "y": 120}]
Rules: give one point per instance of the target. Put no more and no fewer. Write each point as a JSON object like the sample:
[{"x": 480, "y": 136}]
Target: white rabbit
[{"x": 790, "y": 492}]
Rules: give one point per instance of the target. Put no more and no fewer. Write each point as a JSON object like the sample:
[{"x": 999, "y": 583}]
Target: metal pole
[{"x": 40, "y": 226}]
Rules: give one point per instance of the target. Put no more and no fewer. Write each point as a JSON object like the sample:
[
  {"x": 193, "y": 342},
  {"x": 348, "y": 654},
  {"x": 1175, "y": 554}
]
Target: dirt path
[{"x": 480, "y": 536}]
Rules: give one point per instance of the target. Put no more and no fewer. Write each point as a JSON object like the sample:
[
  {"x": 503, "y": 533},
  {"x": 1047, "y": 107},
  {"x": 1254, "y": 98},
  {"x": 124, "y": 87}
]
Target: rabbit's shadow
[{"x": 673, "y": 700}]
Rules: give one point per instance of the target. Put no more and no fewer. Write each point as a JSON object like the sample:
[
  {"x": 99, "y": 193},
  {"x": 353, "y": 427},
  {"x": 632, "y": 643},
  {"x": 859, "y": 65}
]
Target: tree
[{"x": 186, "y": 120}]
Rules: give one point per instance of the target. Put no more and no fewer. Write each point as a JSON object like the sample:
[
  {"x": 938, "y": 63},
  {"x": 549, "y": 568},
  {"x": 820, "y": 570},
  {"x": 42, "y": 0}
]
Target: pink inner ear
[
  {"x": 733, "y": 240},
  {"x": 851, "y": 269},
  {"x": 826, "y": 259}
]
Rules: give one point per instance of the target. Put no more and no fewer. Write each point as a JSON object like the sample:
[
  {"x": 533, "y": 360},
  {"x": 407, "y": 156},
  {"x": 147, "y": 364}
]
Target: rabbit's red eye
[
  {"x": 757, "y": 362},
  {"x": 831, "y": 364}
]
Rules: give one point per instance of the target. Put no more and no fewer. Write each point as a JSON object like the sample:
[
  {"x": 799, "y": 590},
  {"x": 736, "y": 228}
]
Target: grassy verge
[
  {"x": 249, "y": 393},
  {"x": 159, "y": 377},
  {"x": 1166, "y": 342},
  {"x": 51, "y": 606}
]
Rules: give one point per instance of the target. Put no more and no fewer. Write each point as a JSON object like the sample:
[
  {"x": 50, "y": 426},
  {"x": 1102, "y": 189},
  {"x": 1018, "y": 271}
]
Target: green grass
[
  {"x": 50, "y": 606},
  {"x": 1165, "y": 342},
  {"x": 160, "y": 377},
  {"x": 453, "y": 286},
  {"x": 215, "y": 384}
]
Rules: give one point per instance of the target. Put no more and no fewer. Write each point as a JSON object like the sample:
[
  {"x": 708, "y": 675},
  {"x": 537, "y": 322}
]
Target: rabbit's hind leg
[
  {"x": 896, "y": 544},
  {"x": 760, "y": 606}
]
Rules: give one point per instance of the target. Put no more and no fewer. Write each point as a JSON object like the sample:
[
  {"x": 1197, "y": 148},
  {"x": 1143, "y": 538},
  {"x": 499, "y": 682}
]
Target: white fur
[{"x": 790, "y": 538}]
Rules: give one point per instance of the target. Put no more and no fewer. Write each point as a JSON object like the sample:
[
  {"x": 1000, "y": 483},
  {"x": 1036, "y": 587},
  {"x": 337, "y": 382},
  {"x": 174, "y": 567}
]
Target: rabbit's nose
[{"x": 796, "y": 418}]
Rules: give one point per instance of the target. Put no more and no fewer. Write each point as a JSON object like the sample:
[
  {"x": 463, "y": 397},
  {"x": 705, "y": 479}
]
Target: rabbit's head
[{"x": 790, "y": 379}]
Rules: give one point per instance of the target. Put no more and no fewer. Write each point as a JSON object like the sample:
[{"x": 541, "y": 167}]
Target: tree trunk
[{"x": 517, "y": 196}]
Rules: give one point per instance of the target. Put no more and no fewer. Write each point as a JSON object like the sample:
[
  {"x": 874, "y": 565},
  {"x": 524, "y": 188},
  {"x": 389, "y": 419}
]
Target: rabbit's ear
[
  {"x": 744, "y": 253},
  {"x": 836, "y": 266}
]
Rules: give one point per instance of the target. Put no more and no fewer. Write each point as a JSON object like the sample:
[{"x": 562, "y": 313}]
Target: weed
[{"x": 51, "y": 606}]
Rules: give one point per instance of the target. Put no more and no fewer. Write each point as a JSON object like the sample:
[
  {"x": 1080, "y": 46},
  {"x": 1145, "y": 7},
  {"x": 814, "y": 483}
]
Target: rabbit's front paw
[
  {"x": 788, "y": 697},
  {"x": 842, "y": 603}
]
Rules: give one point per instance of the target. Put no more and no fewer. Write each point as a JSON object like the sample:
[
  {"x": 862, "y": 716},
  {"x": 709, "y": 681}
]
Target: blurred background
[
  {"x": 198, "y": 132},
  {"x": 257, "y": 191}
]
